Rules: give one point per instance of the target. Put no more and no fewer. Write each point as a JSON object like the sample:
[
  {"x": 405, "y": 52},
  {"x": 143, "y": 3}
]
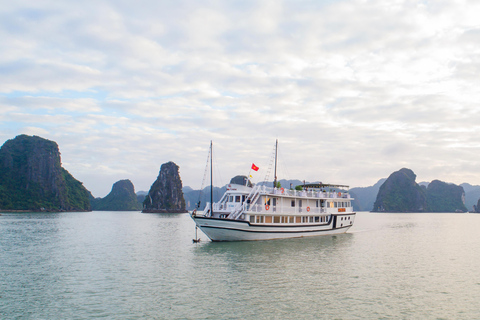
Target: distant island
[
  {"x": 121, "y": 198},
  {"x": 32, "y": 178},
  {"x": 400, "y": 193}
]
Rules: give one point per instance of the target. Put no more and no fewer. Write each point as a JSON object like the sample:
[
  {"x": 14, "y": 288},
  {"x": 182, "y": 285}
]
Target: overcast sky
[{"x": 353, "y": 90}]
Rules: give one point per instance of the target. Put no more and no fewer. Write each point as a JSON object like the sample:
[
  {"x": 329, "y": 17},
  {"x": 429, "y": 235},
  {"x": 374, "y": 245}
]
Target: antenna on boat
[
  {"x": 275, "y": 172},
  {"x": 211, "y": 178}
]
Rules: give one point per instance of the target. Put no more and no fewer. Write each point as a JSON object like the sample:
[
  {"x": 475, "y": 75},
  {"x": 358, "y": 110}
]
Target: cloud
[{"x": 353, "y": 89}]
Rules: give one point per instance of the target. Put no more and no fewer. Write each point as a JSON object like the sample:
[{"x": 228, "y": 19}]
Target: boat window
[
  {"x": 300, "y": 203},
  {"x": 293, "y": 203},
  {"x": 311, "y": 219},
  {"x": 252, "y": 219},
  {"x": 276, "y": 219},
  {"x": 317, "y": 219},
  {"x": 274, "y": 202},
  {"x": 316, "y": 204},
  {"x": 259, "y": 219},
  {"x": 243, "y": 198},
  {"x": 298, "y": 219},
  {"x": 291, "y": 219},
  {"x": 230, "y": 199},
  {"x": 268, "y": 219},
  {"x": 237, "y": 198}
]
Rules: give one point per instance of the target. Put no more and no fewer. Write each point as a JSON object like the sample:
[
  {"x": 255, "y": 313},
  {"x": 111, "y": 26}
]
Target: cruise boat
[{"x": 258, "y": 212}]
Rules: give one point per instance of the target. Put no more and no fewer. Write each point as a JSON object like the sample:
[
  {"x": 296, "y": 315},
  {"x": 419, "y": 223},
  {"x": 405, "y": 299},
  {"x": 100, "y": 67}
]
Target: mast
[
  {"x": 275, "y": 174},
  {"x": 211, "y": 178}
]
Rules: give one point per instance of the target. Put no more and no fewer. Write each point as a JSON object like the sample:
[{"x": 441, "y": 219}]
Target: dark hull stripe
[
  {"x": 332, "y": 220},
  {"x": 279, "y": 231}
]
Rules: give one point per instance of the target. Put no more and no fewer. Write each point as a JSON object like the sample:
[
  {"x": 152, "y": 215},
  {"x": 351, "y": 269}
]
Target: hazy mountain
[
  {"x": 472, "y": 195},
  {"x": 365, "y": 197}
]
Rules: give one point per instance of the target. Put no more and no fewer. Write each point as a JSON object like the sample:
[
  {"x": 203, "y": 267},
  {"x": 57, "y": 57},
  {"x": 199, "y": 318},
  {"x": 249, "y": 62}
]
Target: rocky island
[
  {"x": 166, "y": 195},
  {"x": 121, "y": 198},
  {"x": 400, "y": 193},
  {"x": 33, "y": 179}
]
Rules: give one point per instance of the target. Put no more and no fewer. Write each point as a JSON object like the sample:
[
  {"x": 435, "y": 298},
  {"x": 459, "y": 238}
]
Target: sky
[{"x": 353, "y": 90}]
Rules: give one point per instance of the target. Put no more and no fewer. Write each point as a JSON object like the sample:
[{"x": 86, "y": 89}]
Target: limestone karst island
[{"x": 32, "y": 179}]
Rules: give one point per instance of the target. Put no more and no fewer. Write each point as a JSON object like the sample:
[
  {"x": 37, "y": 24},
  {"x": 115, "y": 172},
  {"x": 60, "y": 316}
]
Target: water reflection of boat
[{"x": 248, "y": 212}]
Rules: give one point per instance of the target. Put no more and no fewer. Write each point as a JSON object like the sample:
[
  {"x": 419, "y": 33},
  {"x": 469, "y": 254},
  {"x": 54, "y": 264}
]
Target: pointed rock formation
[
  {"x": 32, "y": 178},
  {"x": 400, "y": 193},
  {"x": 121, "y": 198},
  {"x": 166, "y": 195}
]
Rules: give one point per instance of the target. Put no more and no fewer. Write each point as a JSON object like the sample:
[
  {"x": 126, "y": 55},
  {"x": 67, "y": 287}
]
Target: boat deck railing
[{"x": 305, "y": 193}]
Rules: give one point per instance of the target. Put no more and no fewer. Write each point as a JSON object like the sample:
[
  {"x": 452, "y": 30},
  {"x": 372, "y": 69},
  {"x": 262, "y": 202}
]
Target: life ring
[
  {"x": 339, "y": 194},
  {"x": 308, "y": 209},
  {"x": 267, "y": 207},
  {"x": 283, "y": 190}
]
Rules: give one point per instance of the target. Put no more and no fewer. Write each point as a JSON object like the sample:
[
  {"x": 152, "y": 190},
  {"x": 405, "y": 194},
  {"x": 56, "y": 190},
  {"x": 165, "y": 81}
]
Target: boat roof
[{"x": 324, "y": 185}]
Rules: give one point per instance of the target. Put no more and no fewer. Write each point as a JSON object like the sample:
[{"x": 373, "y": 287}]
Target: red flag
[{"x": 254, "y": 167}]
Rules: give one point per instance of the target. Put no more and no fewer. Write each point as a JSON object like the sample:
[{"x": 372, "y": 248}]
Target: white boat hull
[{"x": 239, "y": 230}]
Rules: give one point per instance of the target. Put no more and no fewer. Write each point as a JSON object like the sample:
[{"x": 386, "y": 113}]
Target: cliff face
[
  {"x": 166, "y": 193},
  {"x": 121, "y": 198},
  {"x": 400, "y": 193},
  {"x": 444, "y": 197},
  {"x": 32, "y": 178}
]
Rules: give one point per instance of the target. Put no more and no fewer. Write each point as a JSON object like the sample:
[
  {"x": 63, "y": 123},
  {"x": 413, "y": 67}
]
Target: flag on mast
[{"x": 254, "y": 167}]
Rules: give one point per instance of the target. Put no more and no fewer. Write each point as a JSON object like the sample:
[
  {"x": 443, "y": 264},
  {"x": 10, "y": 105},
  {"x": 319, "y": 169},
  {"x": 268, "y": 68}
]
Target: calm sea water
[{"x": 129, "y": 265}]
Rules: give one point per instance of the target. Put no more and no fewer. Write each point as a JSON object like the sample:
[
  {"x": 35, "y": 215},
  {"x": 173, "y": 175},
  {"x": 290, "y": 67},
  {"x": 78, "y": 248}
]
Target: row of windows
[
  {"x": 287, "y": 219},
  {"x": 342, "y": 204},
  {"x": 236, "y": 198},
  {"x": 333, "y": 204}
]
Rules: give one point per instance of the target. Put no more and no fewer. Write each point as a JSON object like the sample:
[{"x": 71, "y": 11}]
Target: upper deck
[{"x": 313, "y": 199}]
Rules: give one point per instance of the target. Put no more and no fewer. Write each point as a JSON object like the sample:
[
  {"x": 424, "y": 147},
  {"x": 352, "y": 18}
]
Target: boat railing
[
  {"x": 206, "y": 211},
  {"x": 220, "y": 206},
  {"x": 251, "y": 198},
  {"x": 305, "y": 193}
]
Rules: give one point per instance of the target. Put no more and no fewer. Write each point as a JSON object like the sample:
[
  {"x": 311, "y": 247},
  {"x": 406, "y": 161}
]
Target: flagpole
[{"x": 275, "y": 175}]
